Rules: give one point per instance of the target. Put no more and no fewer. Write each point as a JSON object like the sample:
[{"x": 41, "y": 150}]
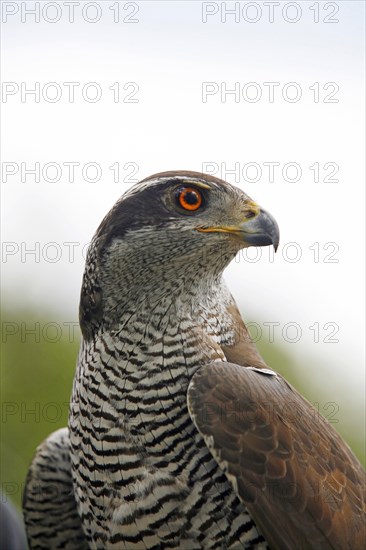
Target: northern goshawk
[{"x": 180, "y": 436}]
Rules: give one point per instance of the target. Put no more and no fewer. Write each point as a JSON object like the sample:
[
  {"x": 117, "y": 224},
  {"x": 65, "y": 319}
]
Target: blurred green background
[{"x": 37, "y": 370}]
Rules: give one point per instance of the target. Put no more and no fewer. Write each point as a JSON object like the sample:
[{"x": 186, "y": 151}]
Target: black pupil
[{"x": 191, "y": 197}]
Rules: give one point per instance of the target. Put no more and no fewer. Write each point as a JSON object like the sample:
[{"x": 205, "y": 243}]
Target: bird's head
[{"x": 174, "y": 226}]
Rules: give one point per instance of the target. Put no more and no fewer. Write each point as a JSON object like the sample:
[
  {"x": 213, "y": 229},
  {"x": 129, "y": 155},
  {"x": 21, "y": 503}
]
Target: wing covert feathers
[
  {"x": 49, "y": 506},
  {"x": 299, "y": 480}
]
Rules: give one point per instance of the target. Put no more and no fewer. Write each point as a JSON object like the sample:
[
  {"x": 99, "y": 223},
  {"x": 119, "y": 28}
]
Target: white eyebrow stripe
[{"x": 138, "y": 187}]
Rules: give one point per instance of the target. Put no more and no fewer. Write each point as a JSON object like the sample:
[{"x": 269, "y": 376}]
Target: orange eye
[{"x": 189, "y": 198}]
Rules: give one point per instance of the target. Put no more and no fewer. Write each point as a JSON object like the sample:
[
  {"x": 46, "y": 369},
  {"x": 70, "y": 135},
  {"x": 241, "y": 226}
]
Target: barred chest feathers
[{"x": 137, "y": 457}]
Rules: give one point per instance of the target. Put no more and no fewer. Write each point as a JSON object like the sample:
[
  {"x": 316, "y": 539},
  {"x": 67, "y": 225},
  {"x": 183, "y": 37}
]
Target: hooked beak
[{"x": 260, "y": 229}]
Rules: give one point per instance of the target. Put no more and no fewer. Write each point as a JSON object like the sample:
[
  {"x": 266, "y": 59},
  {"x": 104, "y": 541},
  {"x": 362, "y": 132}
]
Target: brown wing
[
  {"x": 300, "y": 481},
  {"x": 242, "y": 350}
]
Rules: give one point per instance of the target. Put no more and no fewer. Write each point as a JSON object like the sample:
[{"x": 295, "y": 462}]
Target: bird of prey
[{"x": 180, "y": 436}]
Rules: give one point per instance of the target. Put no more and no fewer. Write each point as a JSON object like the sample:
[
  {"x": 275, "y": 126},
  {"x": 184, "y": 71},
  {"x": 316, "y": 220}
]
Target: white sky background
[{"x": 169, "y": 53}]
